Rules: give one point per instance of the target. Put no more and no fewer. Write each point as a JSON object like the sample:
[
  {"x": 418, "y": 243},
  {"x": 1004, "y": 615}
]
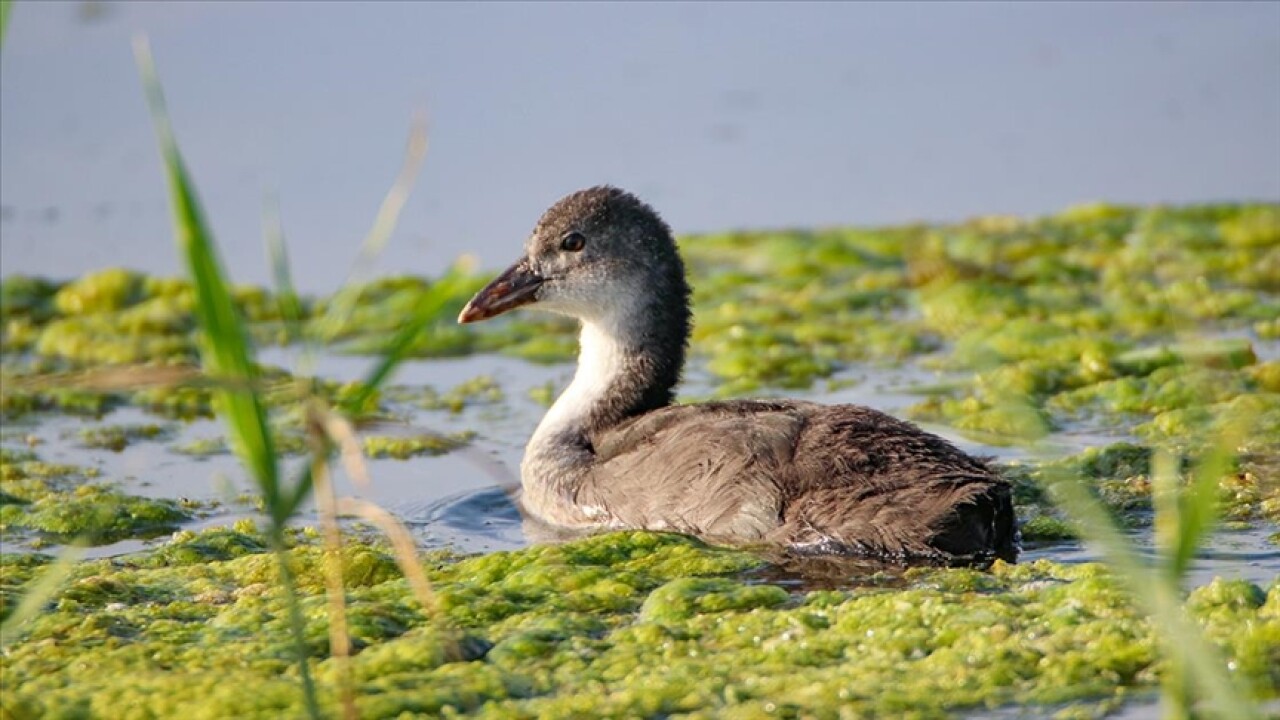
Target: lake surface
[
  {"x": 1084, "y": 323},
  {"x": 465, "y": 500},
  {"x": 721, "y": 115}
]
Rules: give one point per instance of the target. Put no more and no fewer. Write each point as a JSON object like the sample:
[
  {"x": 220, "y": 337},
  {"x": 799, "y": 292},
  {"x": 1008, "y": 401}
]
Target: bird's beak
[{"x": 517, "y": 285}]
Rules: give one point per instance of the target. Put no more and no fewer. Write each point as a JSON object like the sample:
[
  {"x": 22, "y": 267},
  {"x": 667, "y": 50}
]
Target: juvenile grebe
[{"x": 614, "y": 452}]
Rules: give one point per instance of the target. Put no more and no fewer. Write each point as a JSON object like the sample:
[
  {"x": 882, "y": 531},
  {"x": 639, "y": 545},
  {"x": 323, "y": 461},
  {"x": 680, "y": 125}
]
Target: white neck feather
[
  {"x": 600, "y": 359},
  {"x": 557, "y": 457}
]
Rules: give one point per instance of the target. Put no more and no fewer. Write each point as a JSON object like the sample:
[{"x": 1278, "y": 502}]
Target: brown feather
[{"x": 818, "y": 478}]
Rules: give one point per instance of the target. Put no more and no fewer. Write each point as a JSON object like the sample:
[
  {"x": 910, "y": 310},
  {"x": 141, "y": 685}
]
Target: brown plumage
[{"x": 614, "y": 453}]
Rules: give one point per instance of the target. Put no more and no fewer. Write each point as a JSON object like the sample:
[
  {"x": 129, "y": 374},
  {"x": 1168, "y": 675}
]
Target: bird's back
[{"x": 816, "y": 478}]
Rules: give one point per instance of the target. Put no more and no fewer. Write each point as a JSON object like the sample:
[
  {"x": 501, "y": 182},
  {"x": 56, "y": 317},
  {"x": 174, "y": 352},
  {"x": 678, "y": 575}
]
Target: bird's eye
[{"x": 573, "y": 242}]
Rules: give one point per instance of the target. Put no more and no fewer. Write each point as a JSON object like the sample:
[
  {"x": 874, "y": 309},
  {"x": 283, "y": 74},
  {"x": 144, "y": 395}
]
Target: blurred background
[{"x": 721, "y": 115}]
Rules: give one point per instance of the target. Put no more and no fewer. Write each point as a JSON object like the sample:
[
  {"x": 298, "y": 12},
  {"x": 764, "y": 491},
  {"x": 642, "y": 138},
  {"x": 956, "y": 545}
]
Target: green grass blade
[
  {"x": 1158, "y": 597},
  {"x": 384, "y": 223},
  {"x": 1198, "y": 507},
  {"x": 297, "y": 623},
  {"x": 226, "y": 353},
  {"x": 428, "y": 311},
  {"x": 278, "y": 256},
  {"x": 6, "y": 7},
  {"x": 225, "y": 348},
  {"x": 1167, "y": 502},
  {"x": 40, "y": 591},
  {"x": 1197, "y": 510}
]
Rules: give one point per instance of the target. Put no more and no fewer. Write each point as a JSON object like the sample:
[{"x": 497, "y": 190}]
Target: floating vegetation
[
  {"x": 1088, "y": 318},
  {"x": 64, "y": 503},
  {"x": 117, "y": 437},
  {"x": 1155, "y": 328},
  {"x": 403, "y": 448},
  {"x": 620, "y": 625},
  {"x": 479, "y": 390},
  {"x": 544, "y": 394},
  {"x": 1039, "y": 309},
  {"x": 1248, "y": 490}
]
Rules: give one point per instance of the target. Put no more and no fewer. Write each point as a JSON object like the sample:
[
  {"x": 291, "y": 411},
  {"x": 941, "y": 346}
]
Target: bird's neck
[{"x": 625, "y": 369}]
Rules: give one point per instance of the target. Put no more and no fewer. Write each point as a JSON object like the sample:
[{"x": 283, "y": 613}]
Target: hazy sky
[{"x": 721, "y": 115}]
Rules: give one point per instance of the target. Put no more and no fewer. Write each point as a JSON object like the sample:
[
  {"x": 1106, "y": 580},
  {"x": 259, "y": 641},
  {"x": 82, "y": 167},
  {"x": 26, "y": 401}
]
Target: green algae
[
  {"x": 686, "y": 597},
  {"x": 66, "y": 503},
  {"x": 19, "y": 570},
  {"x": 1038, "y": 309},
  {"x": 619, "y": 625},
  {"x": 1092, "y": 318},
  {"x": 214, "y": 545},
  {"x": 1120, "y": 475},
  {"x": 177, "y": 402},
  {"x": 202, "y": 447},
  {"x": 117, "y": 437},
  {"x": 544, "y": 394},
  {"x": 23, "y": 473},
  {"x": 25, "y": 296},
  {"x": 1104, "y": 332},
  {"x": 101, "y": 291},
  {"x": 1178, "y": 395},
  {"x": 287, "y": 442},
  {"x": 479, "y": 390},
  {"x": 1147, "y": 322},
  {"x": 1047, "y": 528},
  {"x": 403, "y": 448},
  {"x": 99, "y": 340},
  {"x": 94, "y": 514}
]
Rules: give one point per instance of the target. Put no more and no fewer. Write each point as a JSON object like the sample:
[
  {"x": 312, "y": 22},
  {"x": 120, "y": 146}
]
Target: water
[
  {"x": 722, "y": 115},
  {"x": 465, "y": 500}
]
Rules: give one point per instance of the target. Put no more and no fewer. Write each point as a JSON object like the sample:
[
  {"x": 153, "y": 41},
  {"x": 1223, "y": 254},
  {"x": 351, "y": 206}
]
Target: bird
[{"x": 615, "y": 451}]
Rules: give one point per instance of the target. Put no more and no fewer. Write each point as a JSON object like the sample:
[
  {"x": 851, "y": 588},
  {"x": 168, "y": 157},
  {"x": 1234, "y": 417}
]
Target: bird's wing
[
  {"x": 800, "y": 474},
  {"x": 714, "y": 469}
]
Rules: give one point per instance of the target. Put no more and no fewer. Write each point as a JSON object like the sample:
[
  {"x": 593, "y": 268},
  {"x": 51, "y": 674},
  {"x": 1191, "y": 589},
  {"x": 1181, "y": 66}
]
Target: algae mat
[
  {"x": 621, "y": 625},
  {"x": 1112, "y": 336}
]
